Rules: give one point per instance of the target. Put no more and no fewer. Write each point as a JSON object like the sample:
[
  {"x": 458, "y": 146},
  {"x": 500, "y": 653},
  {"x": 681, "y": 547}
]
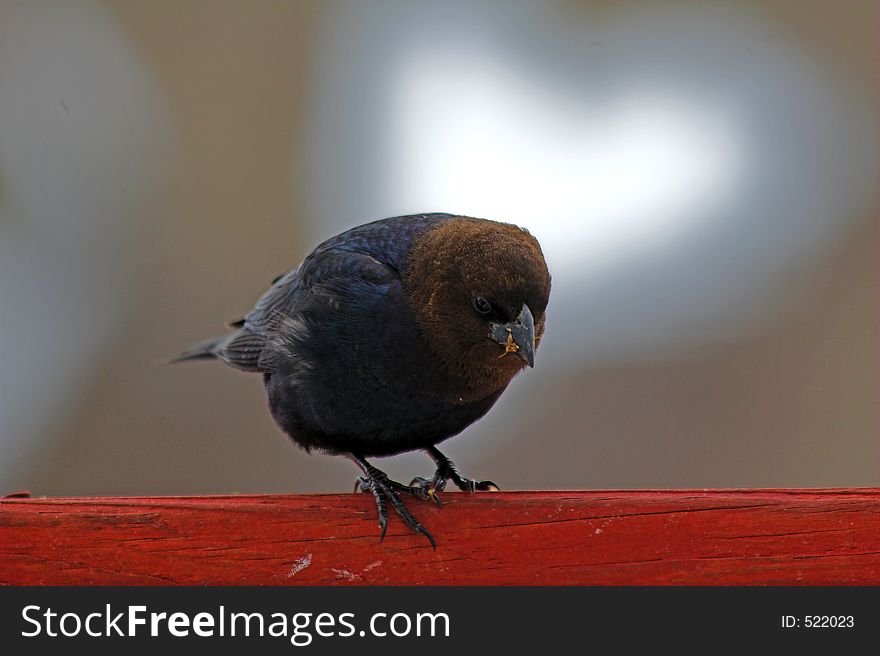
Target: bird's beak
[{"x": 517, "y": 337}]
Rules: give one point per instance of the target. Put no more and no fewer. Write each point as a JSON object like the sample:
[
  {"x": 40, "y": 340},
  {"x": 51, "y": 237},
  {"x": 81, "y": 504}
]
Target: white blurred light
[
  {"x": 595, "y": 182},
  {"x": 678, "y": 164}
]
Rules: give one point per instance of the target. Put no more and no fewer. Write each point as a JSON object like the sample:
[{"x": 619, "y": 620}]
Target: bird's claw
[
  {"x": 430, "y": 487},
  {"x": 472, "y": 486},
  {"x": 422, "y": 492},
  {"x": 383, "y": 488},
  {"x": 446, "y": 471}
]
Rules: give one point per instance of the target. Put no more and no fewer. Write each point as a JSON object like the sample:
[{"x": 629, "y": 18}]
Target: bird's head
[{"x": 478, "y": 290}]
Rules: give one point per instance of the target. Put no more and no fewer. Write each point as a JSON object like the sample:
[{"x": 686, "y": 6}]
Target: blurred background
[{"x": 702, "y": 178}]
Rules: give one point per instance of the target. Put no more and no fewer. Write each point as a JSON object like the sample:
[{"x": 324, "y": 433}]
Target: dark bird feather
[{"x": 394, "y": 336}]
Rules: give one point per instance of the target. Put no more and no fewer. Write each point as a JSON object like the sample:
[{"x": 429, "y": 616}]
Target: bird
[{"x": 394, "y": 336}]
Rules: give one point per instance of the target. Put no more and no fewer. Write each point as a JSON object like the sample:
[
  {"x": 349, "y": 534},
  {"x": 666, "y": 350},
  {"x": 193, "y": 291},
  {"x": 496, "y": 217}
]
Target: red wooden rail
[{"x": 700, "y": 537}]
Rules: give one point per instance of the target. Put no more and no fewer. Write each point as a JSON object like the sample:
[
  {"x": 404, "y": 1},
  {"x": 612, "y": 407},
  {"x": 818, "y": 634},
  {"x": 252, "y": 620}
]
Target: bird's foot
[
  {"x": 447, "y": 471},
  {"x": 383, "y": 488}
]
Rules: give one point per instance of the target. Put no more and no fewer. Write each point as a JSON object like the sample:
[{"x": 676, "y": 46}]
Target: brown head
[{"x": 479, "y": 291}]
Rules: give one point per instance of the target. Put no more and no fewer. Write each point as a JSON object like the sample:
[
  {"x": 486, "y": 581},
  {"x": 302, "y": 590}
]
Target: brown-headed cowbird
[{"x": 394, "y": 336}]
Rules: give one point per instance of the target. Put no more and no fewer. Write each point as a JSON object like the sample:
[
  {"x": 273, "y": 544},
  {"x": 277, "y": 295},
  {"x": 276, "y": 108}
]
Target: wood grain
[{"x": 695, "y": 537}]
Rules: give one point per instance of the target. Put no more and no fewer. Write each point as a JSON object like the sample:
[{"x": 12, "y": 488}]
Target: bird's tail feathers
[
  {"x": 204, "y": 350},
  {"x": 240, "y": 349}
]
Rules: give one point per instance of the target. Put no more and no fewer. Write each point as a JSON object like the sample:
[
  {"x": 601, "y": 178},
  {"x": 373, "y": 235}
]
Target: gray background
[{"x": 701, "y": 177}]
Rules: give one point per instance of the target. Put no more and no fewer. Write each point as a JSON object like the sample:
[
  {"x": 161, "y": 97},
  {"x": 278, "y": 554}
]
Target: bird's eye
[{"x": 481, "y": 305}]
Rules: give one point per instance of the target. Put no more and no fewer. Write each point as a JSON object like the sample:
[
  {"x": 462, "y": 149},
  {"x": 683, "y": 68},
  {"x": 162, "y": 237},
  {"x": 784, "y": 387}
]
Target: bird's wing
[
  {"x": 273, "y": 303},
  {"x": 330, "y": 283},
  {"x": 244, "y": 347},
  {"x": 350, "y": 272}
]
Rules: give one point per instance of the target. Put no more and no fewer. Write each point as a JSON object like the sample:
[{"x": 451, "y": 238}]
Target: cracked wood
[{"x": 680, "y": 537}]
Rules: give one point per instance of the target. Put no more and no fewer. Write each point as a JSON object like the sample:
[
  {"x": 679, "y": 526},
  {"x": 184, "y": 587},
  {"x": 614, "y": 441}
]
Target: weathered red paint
[{"x": 698, "y": 537}]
